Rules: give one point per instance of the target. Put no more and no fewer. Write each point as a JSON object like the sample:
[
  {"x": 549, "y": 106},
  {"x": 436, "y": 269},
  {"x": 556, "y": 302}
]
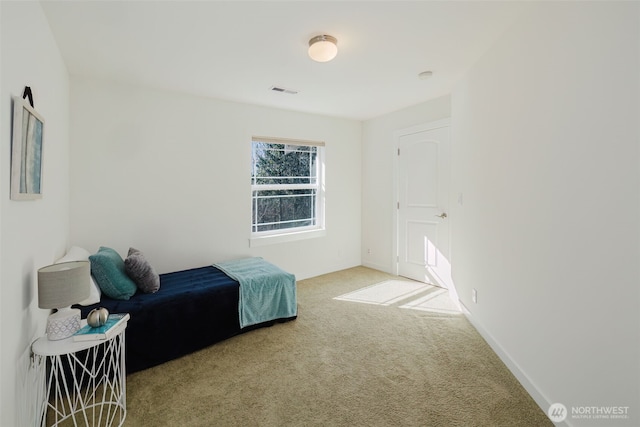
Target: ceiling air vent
[{"x": 283, "y": 90}]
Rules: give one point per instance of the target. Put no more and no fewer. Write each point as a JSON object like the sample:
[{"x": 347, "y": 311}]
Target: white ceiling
[{"x": 238, "y": 50}]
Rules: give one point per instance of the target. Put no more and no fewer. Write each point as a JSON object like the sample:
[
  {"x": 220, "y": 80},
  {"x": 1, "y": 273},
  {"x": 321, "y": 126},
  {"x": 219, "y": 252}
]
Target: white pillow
[{"x": 79, "y": 254}]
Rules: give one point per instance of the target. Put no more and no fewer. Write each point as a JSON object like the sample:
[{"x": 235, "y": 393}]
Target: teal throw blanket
[{"x": 266, "y": 291}]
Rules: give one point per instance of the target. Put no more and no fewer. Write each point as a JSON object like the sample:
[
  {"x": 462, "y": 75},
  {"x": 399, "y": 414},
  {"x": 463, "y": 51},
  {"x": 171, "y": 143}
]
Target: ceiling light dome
[{"x": 323, "y": 48}]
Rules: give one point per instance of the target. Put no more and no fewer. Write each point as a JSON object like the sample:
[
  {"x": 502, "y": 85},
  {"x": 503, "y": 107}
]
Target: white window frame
[{"x": 259, "y": 238}]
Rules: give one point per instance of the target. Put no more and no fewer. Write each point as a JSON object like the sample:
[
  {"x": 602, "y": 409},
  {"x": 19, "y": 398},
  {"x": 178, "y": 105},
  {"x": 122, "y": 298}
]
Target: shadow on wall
[{"x": 29, "y": 391}]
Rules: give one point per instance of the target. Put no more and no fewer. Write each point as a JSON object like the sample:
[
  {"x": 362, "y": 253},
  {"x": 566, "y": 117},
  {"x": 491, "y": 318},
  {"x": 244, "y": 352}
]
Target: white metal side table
[{"x": 81, "y": 383}]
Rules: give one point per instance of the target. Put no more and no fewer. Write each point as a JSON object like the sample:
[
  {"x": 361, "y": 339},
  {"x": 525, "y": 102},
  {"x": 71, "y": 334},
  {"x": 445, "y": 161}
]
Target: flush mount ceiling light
[
  {"x": 425, "y": 75},
  {"x": 323, "y": 48}
]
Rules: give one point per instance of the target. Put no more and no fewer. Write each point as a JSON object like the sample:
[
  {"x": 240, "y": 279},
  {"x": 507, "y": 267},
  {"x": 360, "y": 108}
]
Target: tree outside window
[{"x": 285, "y": 186}]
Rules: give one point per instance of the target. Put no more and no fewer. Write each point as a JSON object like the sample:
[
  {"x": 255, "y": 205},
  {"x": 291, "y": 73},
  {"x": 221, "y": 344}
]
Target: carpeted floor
[{"x": 341, "y": 363}]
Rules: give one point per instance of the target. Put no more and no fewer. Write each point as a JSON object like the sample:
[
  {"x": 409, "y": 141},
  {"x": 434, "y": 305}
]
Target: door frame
[{"x": 396, "y": 184}]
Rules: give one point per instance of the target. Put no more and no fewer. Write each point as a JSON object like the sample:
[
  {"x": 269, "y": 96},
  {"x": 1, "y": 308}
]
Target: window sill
[{"x": 286, "y": 237}]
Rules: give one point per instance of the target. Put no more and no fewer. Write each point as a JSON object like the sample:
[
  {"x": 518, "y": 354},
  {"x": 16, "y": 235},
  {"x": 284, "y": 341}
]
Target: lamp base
[{"x": 63, "y": 323}]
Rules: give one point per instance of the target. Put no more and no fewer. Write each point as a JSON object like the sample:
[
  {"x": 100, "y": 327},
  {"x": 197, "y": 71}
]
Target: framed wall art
[{"x": 26, "y": 152}]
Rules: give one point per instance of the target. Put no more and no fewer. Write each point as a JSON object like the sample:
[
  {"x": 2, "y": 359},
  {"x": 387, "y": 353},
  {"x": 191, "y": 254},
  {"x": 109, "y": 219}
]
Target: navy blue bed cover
[{"x": 193, "y": 309}]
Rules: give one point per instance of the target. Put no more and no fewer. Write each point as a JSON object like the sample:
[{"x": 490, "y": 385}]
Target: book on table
[{"x": 104, "y": 332}]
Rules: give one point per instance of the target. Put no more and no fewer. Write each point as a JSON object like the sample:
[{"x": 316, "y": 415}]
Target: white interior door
[{"x": 423, "y": 202}]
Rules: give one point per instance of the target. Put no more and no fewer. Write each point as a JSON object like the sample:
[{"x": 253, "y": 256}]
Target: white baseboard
[
  {"x": 379, "y": 267},
  {"x": 542, "y": 401}
]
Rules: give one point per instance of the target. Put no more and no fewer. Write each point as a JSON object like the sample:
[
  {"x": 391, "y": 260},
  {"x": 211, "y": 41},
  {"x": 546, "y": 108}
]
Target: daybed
[{"x": 198, "y": 307}]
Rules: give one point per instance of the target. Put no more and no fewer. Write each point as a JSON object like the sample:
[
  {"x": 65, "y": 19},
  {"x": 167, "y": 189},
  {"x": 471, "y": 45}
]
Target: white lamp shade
[
  {"x": 323, "y": 48},
  {"x": 61, "y": 285}
]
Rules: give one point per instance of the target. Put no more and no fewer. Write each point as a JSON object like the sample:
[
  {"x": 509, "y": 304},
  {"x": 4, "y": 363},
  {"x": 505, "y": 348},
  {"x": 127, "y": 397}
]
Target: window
[{"x": 286, "y": 186}]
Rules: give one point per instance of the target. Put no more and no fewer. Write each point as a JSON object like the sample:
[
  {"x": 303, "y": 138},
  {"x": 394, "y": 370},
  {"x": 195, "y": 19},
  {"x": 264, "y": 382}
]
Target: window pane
[
  {"x": 285, "y": 185},
  {"x": 283, "y": 164},
  {"x": 281, "y": 209}
]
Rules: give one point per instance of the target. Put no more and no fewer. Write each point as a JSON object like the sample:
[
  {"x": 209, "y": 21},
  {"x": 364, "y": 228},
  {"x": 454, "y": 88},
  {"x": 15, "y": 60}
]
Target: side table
[{"x": 82, "y": 382}]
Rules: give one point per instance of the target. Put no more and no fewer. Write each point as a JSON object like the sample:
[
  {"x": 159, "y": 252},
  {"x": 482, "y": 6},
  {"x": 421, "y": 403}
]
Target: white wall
[
  {"x": 169, "y": 174},
  {"x": 34, "y": 233},
  {"x": 546, "y": 139},
  {"x": 378, "y": 148}
]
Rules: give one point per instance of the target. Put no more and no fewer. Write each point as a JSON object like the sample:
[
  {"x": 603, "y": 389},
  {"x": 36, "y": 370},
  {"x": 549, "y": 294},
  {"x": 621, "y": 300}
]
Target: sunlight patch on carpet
[
  {"x": 386, "y": 293},
  {"x": 437, "y": 301}
]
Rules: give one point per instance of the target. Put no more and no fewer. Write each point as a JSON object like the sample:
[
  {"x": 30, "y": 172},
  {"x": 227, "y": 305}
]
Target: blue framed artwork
[{"x": 26, "y": 152}]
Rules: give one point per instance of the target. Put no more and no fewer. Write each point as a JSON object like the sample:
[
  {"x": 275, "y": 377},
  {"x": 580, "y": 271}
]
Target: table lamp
[{"x": 60, "y": 286}]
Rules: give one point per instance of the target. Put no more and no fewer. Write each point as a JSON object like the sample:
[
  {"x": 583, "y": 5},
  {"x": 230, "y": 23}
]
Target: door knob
[{"x": 443, "y": 215}]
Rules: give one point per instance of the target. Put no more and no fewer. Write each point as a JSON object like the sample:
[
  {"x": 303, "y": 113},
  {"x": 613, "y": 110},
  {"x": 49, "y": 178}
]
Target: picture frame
[{"x": 26, "y": 151}]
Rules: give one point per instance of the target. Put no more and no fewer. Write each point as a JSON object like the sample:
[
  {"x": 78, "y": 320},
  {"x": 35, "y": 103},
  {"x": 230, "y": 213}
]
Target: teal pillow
[{"x": 107, "y": 268}]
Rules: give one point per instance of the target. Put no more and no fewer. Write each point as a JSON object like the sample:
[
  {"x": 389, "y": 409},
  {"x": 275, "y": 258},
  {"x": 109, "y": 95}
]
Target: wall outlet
[
  {"x": 369, "y": 251},
  {"x": 474, "y": 295}
]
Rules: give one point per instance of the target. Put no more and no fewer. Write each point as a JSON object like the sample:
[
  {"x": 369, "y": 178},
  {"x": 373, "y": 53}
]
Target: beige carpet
[{"x": 341, "y": 363}]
